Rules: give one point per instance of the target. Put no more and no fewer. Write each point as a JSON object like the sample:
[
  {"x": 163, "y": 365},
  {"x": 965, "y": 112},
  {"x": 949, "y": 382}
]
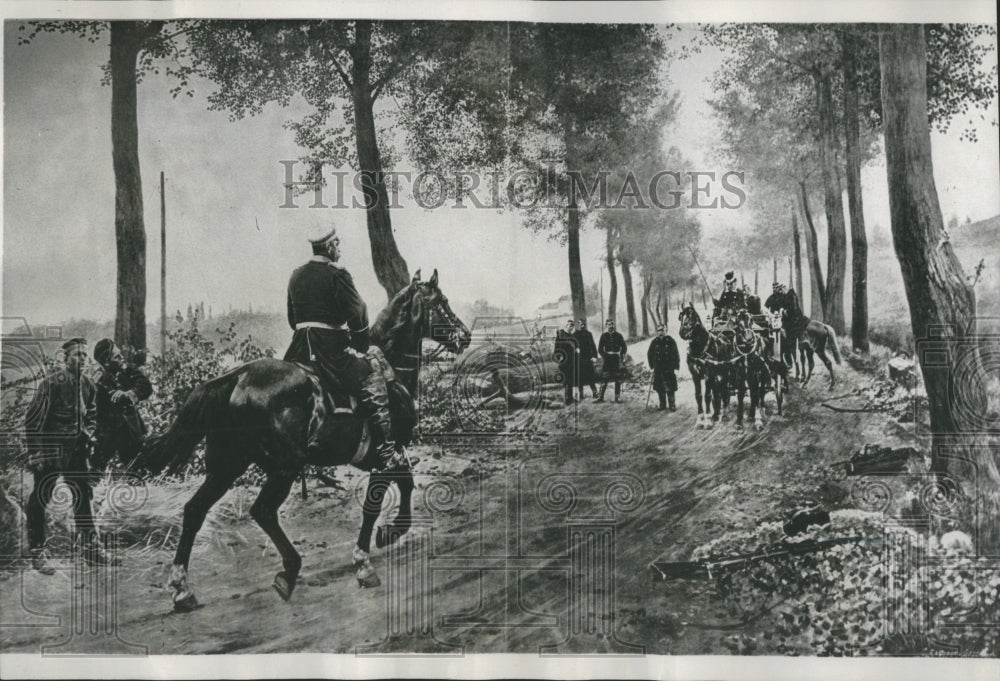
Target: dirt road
[{"x": 522, "y": 545}]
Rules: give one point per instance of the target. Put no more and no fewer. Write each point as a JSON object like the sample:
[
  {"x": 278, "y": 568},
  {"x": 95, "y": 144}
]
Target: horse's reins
[{"x": 439, "y": 308}]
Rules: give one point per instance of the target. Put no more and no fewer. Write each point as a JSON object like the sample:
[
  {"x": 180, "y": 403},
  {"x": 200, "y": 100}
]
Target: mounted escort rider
[{"x": 331, "y": 333}]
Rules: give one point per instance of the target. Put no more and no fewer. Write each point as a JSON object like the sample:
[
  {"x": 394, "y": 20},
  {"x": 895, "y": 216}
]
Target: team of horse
[{"x": 751, "y": 355}]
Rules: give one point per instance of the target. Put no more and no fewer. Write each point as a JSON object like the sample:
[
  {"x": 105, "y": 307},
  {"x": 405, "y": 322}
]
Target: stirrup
[{"x": 396, "y": 459}]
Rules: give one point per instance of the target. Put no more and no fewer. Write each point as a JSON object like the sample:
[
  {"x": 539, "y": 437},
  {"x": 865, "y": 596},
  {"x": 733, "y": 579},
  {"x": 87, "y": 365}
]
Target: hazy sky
[{"x": 228, "y": 241}]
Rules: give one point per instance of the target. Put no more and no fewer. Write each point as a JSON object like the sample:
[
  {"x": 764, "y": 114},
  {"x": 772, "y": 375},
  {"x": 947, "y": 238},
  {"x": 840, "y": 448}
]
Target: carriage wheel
[{"x": 777, "y": 392}]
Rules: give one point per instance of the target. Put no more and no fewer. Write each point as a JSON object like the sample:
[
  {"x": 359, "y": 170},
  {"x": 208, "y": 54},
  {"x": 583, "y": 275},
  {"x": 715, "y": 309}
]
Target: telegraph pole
[{"x": 163, "y": 268}]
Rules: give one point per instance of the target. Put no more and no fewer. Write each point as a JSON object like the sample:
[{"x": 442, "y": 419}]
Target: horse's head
[
  {"x": 431, "y": 316},
  {"x": 689, "y": 320}
]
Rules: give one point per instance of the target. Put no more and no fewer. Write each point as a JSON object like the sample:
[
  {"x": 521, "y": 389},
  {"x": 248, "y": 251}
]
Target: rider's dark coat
[
  {"x": 329, "y": 317},
  {"x": 753, "y": 304},
  {"x": 664, "y": 360}
]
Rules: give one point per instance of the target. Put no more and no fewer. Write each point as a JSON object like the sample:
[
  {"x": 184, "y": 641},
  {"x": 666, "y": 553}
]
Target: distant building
[{"x": 560, "y": 308}]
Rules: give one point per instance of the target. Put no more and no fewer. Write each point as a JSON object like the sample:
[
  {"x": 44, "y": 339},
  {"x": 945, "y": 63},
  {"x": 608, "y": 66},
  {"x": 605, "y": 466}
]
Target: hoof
[
  {"x": 739, "y": 426},
  {"x": 185, "y": 602},
  {"x": 368, "y": 581},
  {"x": 758, "y": 426},
  {"x": 284, "y": 585}
]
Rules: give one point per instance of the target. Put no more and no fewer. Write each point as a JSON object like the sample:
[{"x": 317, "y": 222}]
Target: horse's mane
[{"x": 387, "y": 331}]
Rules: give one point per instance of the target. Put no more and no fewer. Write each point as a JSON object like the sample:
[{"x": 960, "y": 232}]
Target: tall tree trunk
[
  {"x": 666, "y": 307},
  {"x": 859, "y": 242},
  {"x": 629, "y": 298},
  {"x": 836, "y": 254},
  {"x": 941, "y": 303},
  {"x": 796, "y": 255},
  {"x": 644, "y": 303},
  {"x": 818, "y": 291},
  {"x": 390, "y": 267},
  {"x": 612, "y": 278},
  {"x": 127, "y": 39}
]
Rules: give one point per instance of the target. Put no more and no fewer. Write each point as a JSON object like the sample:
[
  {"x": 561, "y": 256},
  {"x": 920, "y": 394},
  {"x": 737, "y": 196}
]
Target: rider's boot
[
  {"x": 600, "y": 396},
  {"x": 375, "y": 396}
]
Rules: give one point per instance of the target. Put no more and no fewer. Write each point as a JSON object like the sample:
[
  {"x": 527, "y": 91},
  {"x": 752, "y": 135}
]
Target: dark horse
[
  {"x": 757, "y": 368},
  {"x": 812, "y": 336},
  {"x": 710, "y": 358},
  {"x": 264, "y": 411}
]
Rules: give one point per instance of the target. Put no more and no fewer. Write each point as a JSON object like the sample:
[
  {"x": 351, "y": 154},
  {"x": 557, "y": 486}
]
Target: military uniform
[
  {"x": 588, "y": 353},
  {"x": 331, "y": 332},
  {"x": 612, "y": 349},
  {"x": 664, "y": 360},
  {"x": 120, "y": 429},
  {"x": 753, "y": 305},
  {"x": 59, "y": 429},
  {"x": 568, "y": 358}
]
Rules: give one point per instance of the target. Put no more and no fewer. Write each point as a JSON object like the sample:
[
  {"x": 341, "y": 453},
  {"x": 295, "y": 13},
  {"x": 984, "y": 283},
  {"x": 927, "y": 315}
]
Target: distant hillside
[{"x": 888, "y": 311}]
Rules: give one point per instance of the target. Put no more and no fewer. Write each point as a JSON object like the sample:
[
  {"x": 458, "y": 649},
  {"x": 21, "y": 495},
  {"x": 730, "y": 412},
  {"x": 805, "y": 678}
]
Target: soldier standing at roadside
[
  {"x": 120, "y": 388},
  {"x": 59, "y": 433},
  {"x": 664, "y": 360},
  {"x": 612, "y": 348},
  {"x": 588, "y": 357}
]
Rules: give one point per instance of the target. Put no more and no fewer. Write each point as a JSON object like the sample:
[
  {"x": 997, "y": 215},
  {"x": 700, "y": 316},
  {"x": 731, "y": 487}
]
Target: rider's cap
[
  {"x": 74, "y": 343},
  {"x": 321, "y": 234},
  {"x": 776, "y": 285},
  {"x": 730, "y": 277}
]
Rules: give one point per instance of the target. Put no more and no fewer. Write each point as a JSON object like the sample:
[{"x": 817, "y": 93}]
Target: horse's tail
[
  {"x": 202, "y": 412},
  {"x": 833, "y": 343}
]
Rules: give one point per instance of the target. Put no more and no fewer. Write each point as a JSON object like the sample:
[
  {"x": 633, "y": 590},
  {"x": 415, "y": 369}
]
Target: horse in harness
[
  {"x": 264, "y": 412},
  {"x": 710, "y": 360},
  {"x": 760, "y": 343},
  {"x": 812, "y": 337}
]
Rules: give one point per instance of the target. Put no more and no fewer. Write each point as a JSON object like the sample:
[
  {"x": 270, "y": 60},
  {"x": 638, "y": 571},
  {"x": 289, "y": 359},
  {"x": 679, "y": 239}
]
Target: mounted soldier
[
  {"x": 120, "y": 387},
  {"x": 331, "y": 333},
  {"x": 730, "y": 300}
]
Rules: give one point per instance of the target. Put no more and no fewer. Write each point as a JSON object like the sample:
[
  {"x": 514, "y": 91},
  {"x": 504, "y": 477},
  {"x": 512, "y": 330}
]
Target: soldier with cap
[
  {"x": 567, "y": 356},
  {"x": 664, "y": 360},
  {"x": 59, "y": 433},
  {"x": 777, "y": 301},
  {"x": 612, "y": 349},
  {"x": 330, "y": 321},
  {"x": 731, "y": 299},
  {"x": 588, "y": 357},
  {"x": 120, "y": 387}
]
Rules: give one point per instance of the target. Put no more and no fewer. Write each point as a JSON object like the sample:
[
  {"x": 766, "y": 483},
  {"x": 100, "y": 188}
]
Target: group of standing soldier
[
  {"x": 576, "y": 354},
  {"x": 75, "y": 425}
]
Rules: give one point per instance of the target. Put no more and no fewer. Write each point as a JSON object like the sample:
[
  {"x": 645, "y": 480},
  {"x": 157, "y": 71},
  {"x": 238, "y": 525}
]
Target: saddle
[{"x": 337, "y": 399}]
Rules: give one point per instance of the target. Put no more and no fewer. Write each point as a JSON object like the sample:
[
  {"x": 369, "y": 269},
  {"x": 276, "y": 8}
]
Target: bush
[
  {"x": 835, "y": 601},
  {"x": 192, "y": 360}
]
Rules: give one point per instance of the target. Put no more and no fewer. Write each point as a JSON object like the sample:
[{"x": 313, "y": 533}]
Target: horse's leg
[
  {"x": 828, "y": 364},
  {"x": 697, "y": 398},
  {"x": 264, "y": 510},
  {"x": 807, "y": 354},
  {"x": 741, "y": 389},
  {"x": 214, "y": 488},
  {"x": 401, "y": 523},
  {"x": 378, "y": 486}
]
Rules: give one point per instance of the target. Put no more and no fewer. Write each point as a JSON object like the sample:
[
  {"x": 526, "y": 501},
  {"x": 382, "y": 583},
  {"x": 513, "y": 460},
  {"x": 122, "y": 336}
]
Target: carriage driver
[
  {"x": 731, "y": 297},
  {"x": 331, "y": 332}
]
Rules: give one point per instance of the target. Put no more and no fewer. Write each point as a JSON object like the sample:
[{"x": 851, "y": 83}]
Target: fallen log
[{"x": 706, "y": 568}]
